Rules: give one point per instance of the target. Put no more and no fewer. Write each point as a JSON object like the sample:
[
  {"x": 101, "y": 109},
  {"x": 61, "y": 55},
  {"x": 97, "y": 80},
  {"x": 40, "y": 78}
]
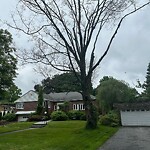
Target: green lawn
[
  {"x": 65, "y": 135},
  {"x": 15, "y": 126}
]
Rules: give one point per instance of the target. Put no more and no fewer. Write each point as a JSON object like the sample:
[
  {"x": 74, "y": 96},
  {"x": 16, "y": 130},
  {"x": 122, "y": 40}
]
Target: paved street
[{"x": 129, "y": 138}]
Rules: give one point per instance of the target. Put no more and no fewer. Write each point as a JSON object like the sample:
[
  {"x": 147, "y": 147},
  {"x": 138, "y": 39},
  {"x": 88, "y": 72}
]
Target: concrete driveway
[{"x": 129, "y": 138}]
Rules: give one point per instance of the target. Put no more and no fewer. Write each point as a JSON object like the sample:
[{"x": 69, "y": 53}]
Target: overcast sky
[{"x": 127, "y": 59}]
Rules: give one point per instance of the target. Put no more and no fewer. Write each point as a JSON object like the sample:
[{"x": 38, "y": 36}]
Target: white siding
[{"x": 135, "y": 118}]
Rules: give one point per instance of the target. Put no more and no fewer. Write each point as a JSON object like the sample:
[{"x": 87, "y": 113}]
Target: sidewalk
[
  {"x": 39, "y": 124},
  {"x": 16, "y": 131}
]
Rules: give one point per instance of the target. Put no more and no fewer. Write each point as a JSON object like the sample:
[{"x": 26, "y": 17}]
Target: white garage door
[
  {"x": 22, "y": 118},
  {"x": 135, "y": 118}
]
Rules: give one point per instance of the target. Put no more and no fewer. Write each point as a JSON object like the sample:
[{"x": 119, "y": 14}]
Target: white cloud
[
  {"x": 127, "y": 59},
  {"x": 27, "y": 78}
]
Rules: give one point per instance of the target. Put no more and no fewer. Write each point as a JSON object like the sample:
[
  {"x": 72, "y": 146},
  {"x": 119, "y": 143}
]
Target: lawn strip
[{"x": 65, "y": 135}]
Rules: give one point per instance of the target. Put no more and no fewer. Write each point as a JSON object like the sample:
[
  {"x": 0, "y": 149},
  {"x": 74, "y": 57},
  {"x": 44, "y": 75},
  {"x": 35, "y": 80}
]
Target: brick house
[{"x": 27, "y": 104}]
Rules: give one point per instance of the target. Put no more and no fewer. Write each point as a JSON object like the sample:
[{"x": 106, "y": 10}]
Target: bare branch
[{"x": 115, "y": 33}]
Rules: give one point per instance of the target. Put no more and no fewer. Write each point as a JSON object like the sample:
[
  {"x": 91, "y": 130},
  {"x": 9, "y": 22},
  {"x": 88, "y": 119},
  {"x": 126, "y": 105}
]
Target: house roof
[
  {"x": 30, "y": 96},
  {"x": 55, "y": 97},
  {"x": 133, "y": 106},
  {"x": 65, "y": 96}
]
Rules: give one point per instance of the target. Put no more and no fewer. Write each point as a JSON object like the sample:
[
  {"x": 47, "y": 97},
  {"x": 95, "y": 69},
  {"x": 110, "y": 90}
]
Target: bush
[
  {"x": 35, "y": 118},
  {"x": 76, "y": 115},
  {"x": 3, "y": 122},
  {"x": 110, "y": 119},
  {"x": 9, "y": 117},
  {"x": 83, "y": 117},
  {"x": 59, "y": 116}
]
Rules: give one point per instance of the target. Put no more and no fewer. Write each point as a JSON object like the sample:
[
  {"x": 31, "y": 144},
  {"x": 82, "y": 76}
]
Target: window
[
  {"x": 49, "y": 104},
  {"x": 26, "y": 117},
  {"x": 55, "y": 107},
  {"x": 74, "y": 106},
  {"x": 46, "y": 103},
  {"x": 78, "y": 107},
  {"x": 19, "y": 106}
]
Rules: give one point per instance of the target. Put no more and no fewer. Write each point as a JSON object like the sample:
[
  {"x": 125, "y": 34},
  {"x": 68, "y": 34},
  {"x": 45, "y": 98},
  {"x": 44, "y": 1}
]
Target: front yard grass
[
  {"x": 63, "y": 135},
  {"x": 15, "y": 126}
]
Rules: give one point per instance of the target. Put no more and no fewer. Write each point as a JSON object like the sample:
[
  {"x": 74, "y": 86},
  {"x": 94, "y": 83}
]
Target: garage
[
  {"x": 23, "y": 115},
  {"x": 135, "y": 118},
  {"x": 134, "y": 114}
]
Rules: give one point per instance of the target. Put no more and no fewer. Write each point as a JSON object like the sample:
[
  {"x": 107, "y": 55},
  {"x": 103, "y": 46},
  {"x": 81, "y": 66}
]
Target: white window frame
[
  {"x": 20, "y": 105},
  {"x": 79, "y": 106},
  {"x": 74, "y": 106}
]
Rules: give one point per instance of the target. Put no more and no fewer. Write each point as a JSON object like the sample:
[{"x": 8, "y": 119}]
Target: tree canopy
[
  {"x": 146, "y": 86},
  {"x": 8, "y": 66},
  {"x": 60, "y": 83},
  {"x": 112, "y": 91}
]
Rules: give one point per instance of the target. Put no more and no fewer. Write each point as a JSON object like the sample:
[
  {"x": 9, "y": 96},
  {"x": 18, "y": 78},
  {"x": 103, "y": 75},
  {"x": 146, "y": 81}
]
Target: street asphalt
[{"x": 129, "y": 138}]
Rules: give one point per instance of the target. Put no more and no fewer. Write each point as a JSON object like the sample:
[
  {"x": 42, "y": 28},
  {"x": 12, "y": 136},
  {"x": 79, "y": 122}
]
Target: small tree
[
  {"x": 146, "y": 84},
  {"x": 8, "y": 66},
  {"x": 64, "y": 107},
  {"x": 112, "y": 91},
  {"x": 39, "y": 110}
]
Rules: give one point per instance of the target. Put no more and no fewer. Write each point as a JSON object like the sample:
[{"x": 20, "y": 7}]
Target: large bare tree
[{"x": 66, "y": 33}]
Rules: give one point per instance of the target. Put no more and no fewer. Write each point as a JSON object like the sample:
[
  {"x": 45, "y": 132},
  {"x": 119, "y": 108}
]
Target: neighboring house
[
  {"x": 27, "y": 104},
  {"x": 6, "y": 108},
  {"x": 134, "y": 114},
  {"x": 74, "y": 98}
]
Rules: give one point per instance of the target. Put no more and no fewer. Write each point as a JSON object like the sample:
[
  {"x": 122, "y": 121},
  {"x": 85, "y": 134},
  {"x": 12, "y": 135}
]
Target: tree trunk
[{"x": 90, "y": 109}]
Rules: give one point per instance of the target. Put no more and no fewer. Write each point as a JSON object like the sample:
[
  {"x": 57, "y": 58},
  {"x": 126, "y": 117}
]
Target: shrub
[
  {"x": 44, "y": 118},
  {"x": 59, "y": 116},
  {"x": 83, "y": 117},
  {"x": 76, "y": 115},
  {"x": 110, "y": 119},
  {"x": 35, "y": 118},
  {"x": 3, "y": 122},
  {"x": 106, "y": 120},
  {"x": 9, "y": 117}
]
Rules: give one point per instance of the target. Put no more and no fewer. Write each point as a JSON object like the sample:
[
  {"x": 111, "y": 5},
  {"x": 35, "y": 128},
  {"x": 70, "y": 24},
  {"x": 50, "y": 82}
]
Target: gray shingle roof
[{"x": 63, "y": 96}]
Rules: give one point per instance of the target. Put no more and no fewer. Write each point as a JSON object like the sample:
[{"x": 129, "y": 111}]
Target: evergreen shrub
[
  {"x": 76, "y": 115},
  {"x": 9, "y": 117},
  {"x": 59, "y": 116},
  {"x": 110, "y": 119}
]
